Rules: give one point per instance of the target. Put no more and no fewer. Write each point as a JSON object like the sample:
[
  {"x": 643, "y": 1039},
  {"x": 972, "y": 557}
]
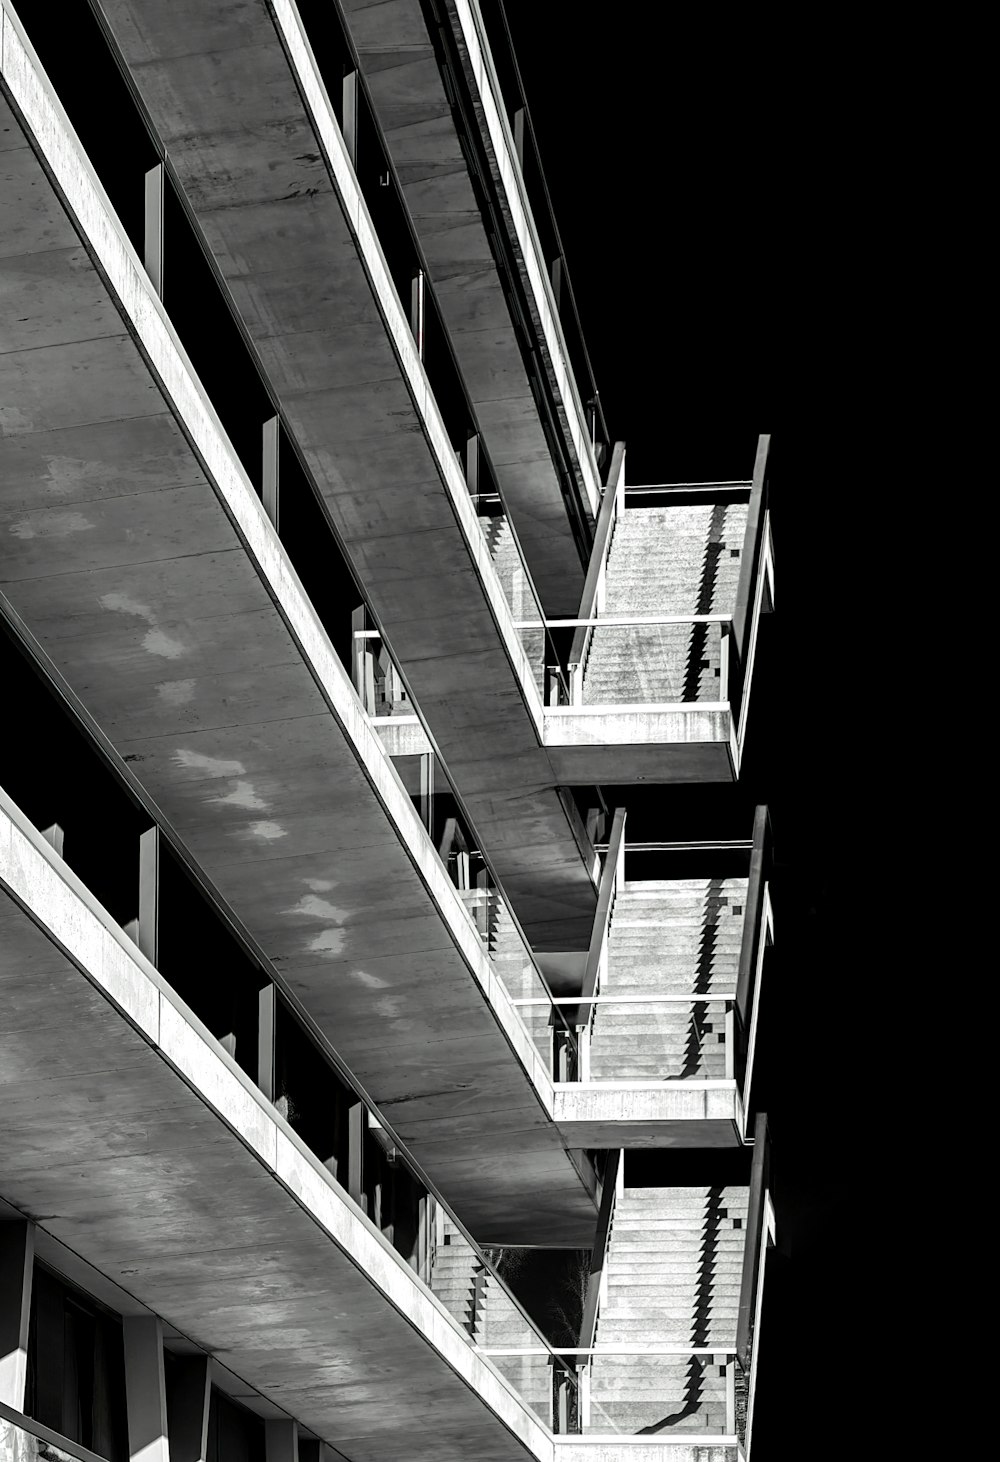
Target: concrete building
[{"x": 331, "y": 976}]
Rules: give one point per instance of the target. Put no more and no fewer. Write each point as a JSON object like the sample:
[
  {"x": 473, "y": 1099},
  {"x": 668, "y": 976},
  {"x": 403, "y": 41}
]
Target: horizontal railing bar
[
  {"x": 726, "y": 1350},
  {"x": 668, "y": 486},
  {"x": 735, "y": 845},
  {"x": 614, "y": 621},
  {"x": 628, "y": 1000}
]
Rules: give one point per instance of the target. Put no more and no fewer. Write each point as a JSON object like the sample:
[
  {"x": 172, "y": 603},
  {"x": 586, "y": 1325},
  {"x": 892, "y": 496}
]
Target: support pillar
[
  {"x": 145, "y": 1389},
  {"x": 189, "y": 1396},
  {"x": 17, "y": 1258},
  {"x": 54, "y": 836}
]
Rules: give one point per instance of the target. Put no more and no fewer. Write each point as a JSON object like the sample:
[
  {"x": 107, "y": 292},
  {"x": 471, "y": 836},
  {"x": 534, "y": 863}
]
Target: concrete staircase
[
  {"x": 679, "y": 936},
  {"x": 471, "y": 1294},
  {"x": 675, "y": 560},
  {"x": 674, "y": 1265}
]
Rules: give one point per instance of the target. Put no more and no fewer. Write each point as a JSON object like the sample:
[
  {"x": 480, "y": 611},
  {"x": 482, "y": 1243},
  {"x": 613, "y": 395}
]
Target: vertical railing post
[
  {"x": 518, "y": 129},
  {"x": 730, "y": 1395},
  {"x": 269, "y": 473},
  {"x": 153, "y": 227},
  {"x": 417, "y": 302},
  {"x": 349, "y": 127},
  {"x": 472, "y": 466},
  {"x": 355, "y": 1153},
  {"x": 17, "y": 1262},
  {"x": 584, "y": 1402},
  {"x": 557, "y": 271},
  {"x": 145, "y": 1389},
  {"x": 724, "y": 630},
  {"x": 427, "y": 790},
  {"x": 55, "y": 837},
  {"x": 266, "y": 1012},
  {"x": 148, "y": 938},
  {"x": 730, "y": 1043}
]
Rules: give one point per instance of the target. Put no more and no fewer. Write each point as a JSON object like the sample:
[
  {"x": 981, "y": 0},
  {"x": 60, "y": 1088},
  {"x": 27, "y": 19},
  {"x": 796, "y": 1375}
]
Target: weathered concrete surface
[
  {"x": 139, "y": 1144},
  {"x": 166, "y": 601},
  {"x": 644, "y": 1449},
  {"x": 268, "y": 177},
  {"x": 651, "y": 1114},
  {"x": 640, "y": 744},
  {"x": 407, "y": 88}
]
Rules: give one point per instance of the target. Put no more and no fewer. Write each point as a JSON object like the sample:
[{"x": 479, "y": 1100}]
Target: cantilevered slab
[
  {"x": 239, "y": 104},
  {"x": 132, "y": 1138},
  {"x": 646, "y": 1114},
  {"x": 424, "y": 140},
  {"x": 645, "y": 743},
  {"x": 161, "y": 593}
]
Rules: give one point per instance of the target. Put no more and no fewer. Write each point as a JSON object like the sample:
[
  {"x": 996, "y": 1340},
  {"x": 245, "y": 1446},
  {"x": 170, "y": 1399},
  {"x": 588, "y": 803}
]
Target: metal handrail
[
  {"x": 752, "y": 549},
  {"x": 759, "y": 1182},
  {"x": 591, "y": 600},
  {"x": 605, "y": 903},
  {"x": 613, "y": 1175},
  {"x": 732, "y": 845},
  {"x": 753, "y": 916}
]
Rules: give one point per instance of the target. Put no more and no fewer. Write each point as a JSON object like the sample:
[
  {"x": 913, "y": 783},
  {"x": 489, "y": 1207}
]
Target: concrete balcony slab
[
  {"x": 166, "y": 1170},
  {"x": 175, "y": 618}
]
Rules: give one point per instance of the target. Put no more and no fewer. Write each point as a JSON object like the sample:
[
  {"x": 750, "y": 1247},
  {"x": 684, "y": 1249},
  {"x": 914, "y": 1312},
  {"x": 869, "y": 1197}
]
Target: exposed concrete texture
[
  {"x": 165, "y": 599},
  {"x": 407, "y": 88},
  {"x": 640, "y": 743},
  {"x": 256, "y": 146},
  {"x": 468, "y": 31},
  {"x": 169, "y": 1172},
  {"x": 643, "y": 1449},
  {"x": 652, "y": 1114}
]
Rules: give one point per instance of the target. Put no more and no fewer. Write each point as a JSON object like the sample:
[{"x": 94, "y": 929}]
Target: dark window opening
[{"x": 76, "y": 1367}]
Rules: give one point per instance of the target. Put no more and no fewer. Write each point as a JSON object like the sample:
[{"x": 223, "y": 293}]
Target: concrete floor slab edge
[
  {"x": 324, "y": 123},
  {"x": 502, "y": 142},
  {"x": 90, "y": 208},
  {"x": 64, "y": 910}
]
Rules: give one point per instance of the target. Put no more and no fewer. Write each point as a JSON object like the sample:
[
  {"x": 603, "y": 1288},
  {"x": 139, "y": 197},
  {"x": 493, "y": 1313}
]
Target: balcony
[{"x": 157, "y": 589}]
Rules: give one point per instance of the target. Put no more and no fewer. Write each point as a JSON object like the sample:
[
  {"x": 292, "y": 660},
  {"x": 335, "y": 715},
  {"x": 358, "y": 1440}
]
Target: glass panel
[
  {"x": 655, "y": 664},
  {"x": 19, "y": 1444},
  {"x": 659, "y": 1040},
  {"x": 689, "y": 1393},
  {"x": 501, "y": 937}
]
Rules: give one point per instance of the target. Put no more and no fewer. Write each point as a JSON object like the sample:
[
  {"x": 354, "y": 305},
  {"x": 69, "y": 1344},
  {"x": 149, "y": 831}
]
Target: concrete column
[
  {"x": 54, "y": 836},
  {"x": 145, "y": 1389},
  {"x": 269, "y": 478},
  {"x": 189, "y": 1396},
  {"x": 281, "y": 1441},
  {"x": 17, "y": 1257},
  {"x": 153, "y": 234}
]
